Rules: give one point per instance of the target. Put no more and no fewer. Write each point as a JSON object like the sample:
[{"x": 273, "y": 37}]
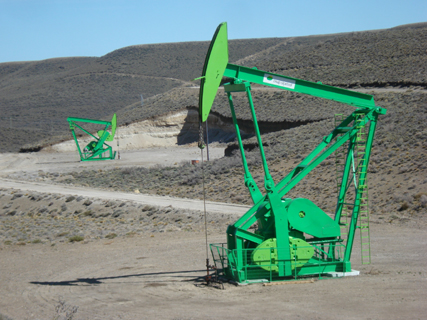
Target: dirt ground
[
  {"x": 160, "y": 276},
  {"x": 30, "y": 163}
]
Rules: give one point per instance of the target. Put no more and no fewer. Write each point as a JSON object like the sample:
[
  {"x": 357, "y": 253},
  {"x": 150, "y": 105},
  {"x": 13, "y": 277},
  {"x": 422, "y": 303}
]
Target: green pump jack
[
  {"x": 96, "y": 149},
  {"x": 294, "y": 238}
]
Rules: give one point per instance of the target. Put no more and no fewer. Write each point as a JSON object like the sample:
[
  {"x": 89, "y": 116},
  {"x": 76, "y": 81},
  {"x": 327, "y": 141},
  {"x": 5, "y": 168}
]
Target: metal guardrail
[{"x": 247, "y": 271}]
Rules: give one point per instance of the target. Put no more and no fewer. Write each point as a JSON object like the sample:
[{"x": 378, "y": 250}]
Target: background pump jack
[
  {"x": 96, "y": 149},
  {"x": 294, "y": 237}
]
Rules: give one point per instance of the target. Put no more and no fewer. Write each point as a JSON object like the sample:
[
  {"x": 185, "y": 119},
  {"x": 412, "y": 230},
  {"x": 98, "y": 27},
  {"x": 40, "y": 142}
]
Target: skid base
[{"x": 351, "y": 273}]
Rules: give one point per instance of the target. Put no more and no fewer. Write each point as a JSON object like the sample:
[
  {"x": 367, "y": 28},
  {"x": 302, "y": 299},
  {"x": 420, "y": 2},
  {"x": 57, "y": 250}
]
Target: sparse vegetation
[
  {"x": 111, "y": 236},
  {"x": 76, "y": 239},
  {"x": 105, "y": 221}
]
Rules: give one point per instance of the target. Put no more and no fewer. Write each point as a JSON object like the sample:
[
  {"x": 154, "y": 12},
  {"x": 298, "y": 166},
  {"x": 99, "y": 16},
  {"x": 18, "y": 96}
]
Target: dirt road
[{"x": 164, "y": 201}]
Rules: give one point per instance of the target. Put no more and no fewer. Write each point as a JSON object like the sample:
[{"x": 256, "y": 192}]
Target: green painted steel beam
[
  {"x": 297, "y": 85},
  {"x": 84, "y": 130},
  {"x": 322, "y": 156},
  {"x": 344, "y": 185},
  {"x": 249, "y": 181},
  {"x": 247, "y": 235},
  {"x": 319, "y": 149},
  {"x": 89, "y": 121}
]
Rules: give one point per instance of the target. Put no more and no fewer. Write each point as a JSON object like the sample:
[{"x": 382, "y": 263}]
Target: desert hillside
[
  {"x": 389, "y": 64},
  {"x": 36, "y": 97}
]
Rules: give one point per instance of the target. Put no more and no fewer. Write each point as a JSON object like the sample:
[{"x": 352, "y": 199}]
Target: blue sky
[{"x": 43, "y": 29}]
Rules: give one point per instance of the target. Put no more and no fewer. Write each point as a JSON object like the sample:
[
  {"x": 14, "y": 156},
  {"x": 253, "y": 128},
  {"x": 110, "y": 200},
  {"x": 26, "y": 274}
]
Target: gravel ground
[{"x": 160, "y": 276}]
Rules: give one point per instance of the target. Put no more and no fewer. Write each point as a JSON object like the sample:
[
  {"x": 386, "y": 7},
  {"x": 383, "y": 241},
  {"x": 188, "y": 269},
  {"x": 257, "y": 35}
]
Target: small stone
[
  {"x": 117, "y": 213},
  {"x": 87, "y": 203},
  {"x": 70, "y": 198},
  {"x": 16, "y": 195}
]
